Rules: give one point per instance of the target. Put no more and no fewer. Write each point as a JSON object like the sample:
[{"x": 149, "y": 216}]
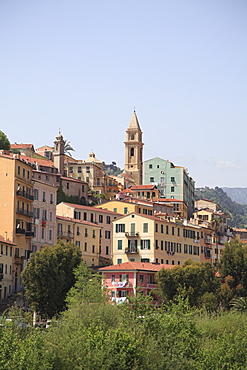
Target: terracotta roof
[
  {"x": 241, "y": 230},
  {"x": 72, "y": 179},
  {"x": 143, "y": 187},
  {"x": 93, "y": 209},
  {"x": 77, "y": 221},
  {"x": 169, "y": 200},
  {"x": 2, "y": 240},
  {"x": 141, "y": 266},
  {"x": 39, "y": 161},
  {"x": 21, "y": 146}
]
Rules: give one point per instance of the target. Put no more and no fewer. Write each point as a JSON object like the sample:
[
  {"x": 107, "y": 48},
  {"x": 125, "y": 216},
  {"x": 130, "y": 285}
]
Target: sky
[{"x": 84, "y": 66}]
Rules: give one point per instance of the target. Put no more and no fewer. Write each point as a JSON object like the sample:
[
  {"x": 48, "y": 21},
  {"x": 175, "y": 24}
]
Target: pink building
[{"x": 125, "y": 279}]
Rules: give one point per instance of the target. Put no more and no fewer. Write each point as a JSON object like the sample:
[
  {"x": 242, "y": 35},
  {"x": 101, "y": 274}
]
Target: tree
[
  {"x": 48, "y": 277},
  {"x": 68, "y": 148},
  {"x": 234, "y": 263},
  {"x": 4, "y": 141}
]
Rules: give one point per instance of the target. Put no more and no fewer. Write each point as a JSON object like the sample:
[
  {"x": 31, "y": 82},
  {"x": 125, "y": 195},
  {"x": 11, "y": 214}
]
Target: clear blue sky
[{"x": 83, "y": 66}]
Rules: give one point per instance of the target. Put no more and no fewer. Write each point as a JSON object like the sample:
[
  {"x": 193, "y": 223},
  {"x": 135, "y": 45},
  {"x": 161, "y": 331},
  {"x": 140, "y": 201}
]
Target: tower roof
[{"x": 134, "y": 124}]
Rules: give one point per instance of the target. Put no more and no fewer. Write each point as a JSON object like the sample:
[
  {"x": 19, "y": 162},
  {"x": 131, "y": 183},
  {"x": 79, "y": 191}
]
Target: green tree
[
  {"x": 68, "y": 148},
  {"x": 4, "y": 141},
  {"x": 48, "y": 277},
  {"x": 234, "y": 263}
]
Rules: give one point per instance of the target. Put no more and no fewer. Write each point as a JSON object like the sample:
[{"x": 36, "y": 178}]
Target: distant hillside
[
  {"x": 238, "y": 195},
  {"x": 112, "y": 169},
  {"x": 237, "y": 213}
]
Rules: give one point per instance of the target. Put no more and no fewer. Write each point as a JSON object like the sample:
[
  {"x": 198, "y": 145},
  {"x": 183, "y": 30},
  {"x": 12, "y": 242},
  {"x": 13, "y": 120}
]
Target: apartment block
[{"x": 7, "y": 274}]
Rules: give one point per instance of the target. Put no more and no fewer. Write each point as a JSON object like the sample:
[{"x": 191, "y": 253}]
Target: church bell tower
[
  {"x": 58, "y": 153},
  {"x": 134, "y": 150}
]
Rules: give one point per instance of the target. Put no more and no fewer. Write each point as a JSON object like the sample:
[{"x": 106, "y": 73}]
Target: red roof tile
[
  {"x": 142, "y": 266},
  {"x": 2, "y": 240}
]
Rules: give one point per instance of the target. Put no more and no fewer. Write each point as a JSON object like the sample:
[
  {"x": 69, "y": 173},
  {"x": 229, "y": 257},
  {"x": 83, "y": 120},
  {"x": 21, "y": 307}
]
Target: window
[
  {"x": 23, "y": 172},
  {"x": 150, "y": 166},
  {"x": 167, "y": 246},
  {"x": 50, "y": 216},
  {"x": 179, "y": 247},
  {"x": 173, "y": 230},
  {"x": 93, "y": 234},
  {"x": 108, "y": 220},
  {"x": 125, "y": 210},
  {"x": 36, "y": 194},
  {"x": 119, "y": 244},
  {"x": 190, "y": 249},
  {"x": 119, "y": 260},
  {"x": 145, "y": 227},
  {"x": 44, "y": 196},
  {"x": 50, "y": 235},
  {"x": 141, "y": 278},
  {"x": 82, "y": 188},
  {"x": 10, "y": 251},
  {"x": 112, "y": 278},
  {"x": 93, "y": 249},
  {"x": 44, "y": 215},
  {"x": 132, "y": 152},
  {"x": 91, "y": 217},
  {"x": 162, "y": 261},
  {"x": 151, "y": 179},
  {"x": 42, "y": 233},
  {"x": 172, "y": 179},
  {"x": 156, "y": 228},
  {"x": 77, "y": 243},
  {"x": 6, "y": 250},
  {"x": 150, "y": 213},
  {"x": 51, "y": 199},
  {"x": 150, "y": 279},
  {"x": 185, "y": 248},
  {"x": 120, "y": 228},
  {"x": 100, "y": 219},
  {"x": 162, "y": 229},
  {"x": 86, "y": 234},
  {"x": 36, "y": 213},
  {"x": 172, "y": 189},
  {"x": 123, "y": 277},
  {"x": 67, "y": 185},
  {"x": 107, "y": 250},
  {"x": 156, "y": 244},
  {"x": 178, "y": 231},
  {"x": 85, "y": 246},
  {"x": 172, "y": 262},
  {"x": 167, "y": 229},
  {"x": 85, "y": 216},
  {"x": 18, "y": 170},
  {"x": 79, "y": 169},
  {"x": 78, "y": 230},
  {"x": 145, "y": 244},
  {"x": 162, "y": 245},
  {"x": 77, "y": 215},
  {"x": 145, "y": 260},
  {"x": 115, "y": 210},
  {"x": 107, "y": 234}
]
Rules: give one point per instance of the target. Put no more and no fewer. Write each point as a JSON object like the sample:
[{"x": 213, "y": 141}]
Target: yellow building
[
  {"x": 124, "y": 207},
  {"x": 7, "y": 249},
  {"x": 16, "y": 197},
  {"x": 84, "y": 234},
  {"x": 141, "y": 238}
]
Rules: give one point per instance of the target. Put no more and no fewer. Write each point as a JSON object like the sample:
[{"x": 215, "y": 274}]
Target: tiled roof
[
  {"x": 72, "y": 179},
  {"x": 39, "y": 161},
  {"x": 169, "y": 200},
  {"x": 143, "y": 187},
  {"x": 141, "y": 266},
  {"x": 77, "y": 221},
  {"x": 93, "y": 209},
  {"x": 2, "y": 240},
  {"x": 21, "y": 146}
]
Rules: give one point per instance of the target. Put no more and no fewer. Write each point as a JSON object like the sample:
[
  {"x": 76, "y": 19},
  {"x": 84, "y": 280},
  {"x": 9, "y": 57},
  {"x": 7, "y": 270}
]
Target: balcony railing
[
  {"x": 65, "y": 235},
  {"x": 131, "y": 234},
  {"x": 24, "y": 194},
  {"x": 29, "y": 233},
  {"x": 131, "y": 250},
  {"x": 20, "y": 231},
  {"x": 24, "y": 212}
]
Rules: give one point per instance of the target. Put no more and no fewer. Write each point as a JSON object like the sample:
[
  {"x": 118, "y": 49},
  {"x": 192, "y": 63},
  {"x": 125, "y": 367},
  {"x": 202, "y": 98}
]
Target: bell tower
[
  {"x": 134, "y": 150},
  {"x": 58, "y": 153}
]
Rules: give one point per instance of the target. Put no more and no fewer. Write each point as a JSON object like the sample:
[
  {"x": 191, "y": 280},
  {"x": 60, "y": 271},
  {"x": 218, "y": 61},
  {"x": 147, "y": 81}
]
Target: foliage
[
  {"x": 62, "y": 197},
  {"x": 112, "y": 169},
  {"x": 239, "y": 304},
  {"x": 237, "y": 213},
  {"x": 196, "y": 278},
  {"x": 4, "y": 141},
  {"x": 49, "y": 275},
  {"x": 68, "y": 148},
  {"x": 234, "y": 263}
]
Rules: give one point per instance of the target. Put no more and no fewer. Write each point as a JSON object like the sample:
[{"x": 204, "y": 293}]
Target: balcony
[
  {"x": 20, "y": 231},
  {"x": 24, "y": 194},
  {"x": 1, "y": 276},
  {"x": 131, "y": 250},
  {"x": 24, "y": 212},
  {"x": 68, "y": 235},
  {"x": 29, "y": 233},
  {"x": 19, "y": 260},
  {"x": 131, "y": 234}
]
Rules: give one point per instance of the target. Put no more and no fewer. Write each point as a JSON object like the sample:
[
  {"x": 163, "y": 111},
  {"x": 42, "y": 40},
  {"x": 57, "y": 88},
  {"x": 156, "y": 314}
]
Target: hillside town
[{"x": 143, "y": 219}]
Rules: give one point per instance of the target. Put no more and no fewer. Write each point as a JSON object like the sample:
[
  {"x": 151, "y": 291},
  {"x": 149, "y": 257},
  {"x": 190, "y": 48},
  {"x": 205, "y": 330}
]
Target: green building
[{"x": 173, "y": 182}]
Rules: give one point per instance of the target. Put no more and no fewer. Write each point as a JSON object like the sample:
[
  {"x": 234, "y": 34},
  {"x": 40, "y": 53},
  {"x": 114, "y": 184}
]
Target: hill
[
  {"x": 237, "y": 213},
  {"x": 238, "y": 195}
]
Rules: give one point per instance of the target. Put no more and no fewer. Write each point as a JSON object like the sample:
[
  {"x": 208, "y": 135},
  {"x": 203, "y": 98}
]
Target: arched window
[
  {"x": 132, "y": 137},
  {"x": 132, "y": 151}
]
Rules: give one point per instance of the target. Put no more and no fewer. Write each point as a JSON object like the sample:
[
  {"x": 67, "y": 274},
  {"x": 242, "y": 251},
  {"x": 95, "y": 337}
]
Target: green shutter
[{"x": 119, "y": 244}]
